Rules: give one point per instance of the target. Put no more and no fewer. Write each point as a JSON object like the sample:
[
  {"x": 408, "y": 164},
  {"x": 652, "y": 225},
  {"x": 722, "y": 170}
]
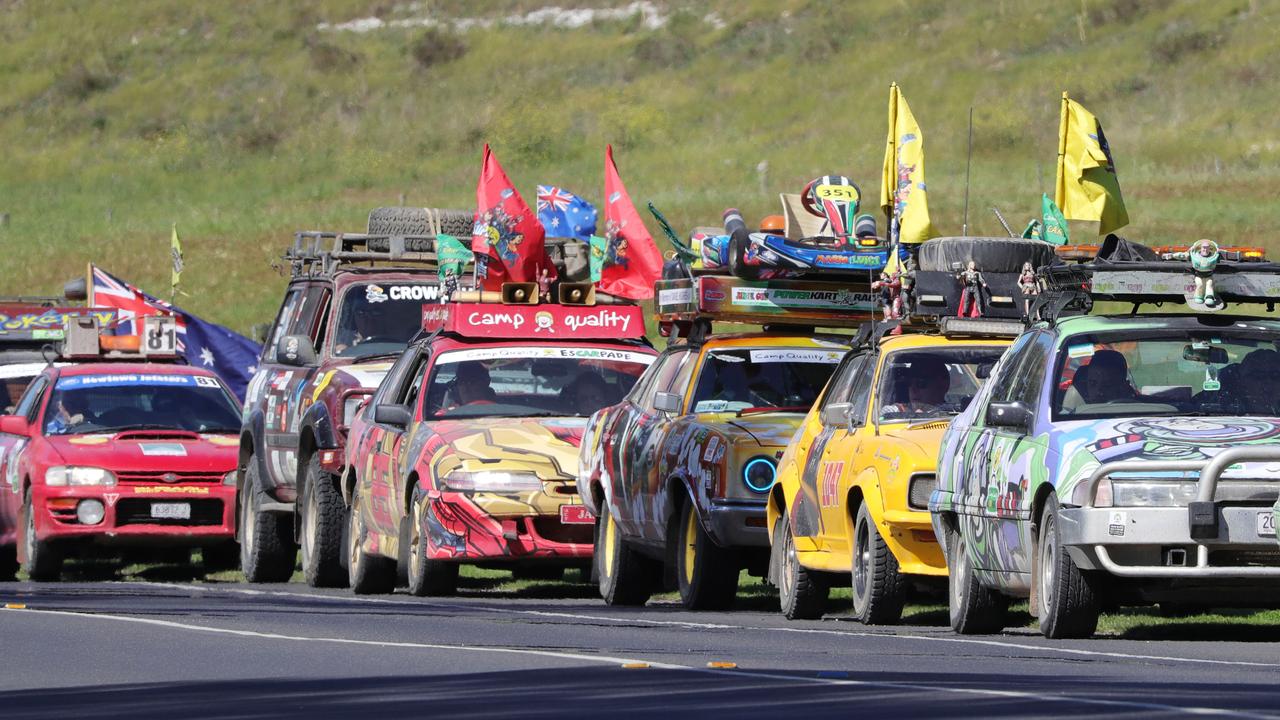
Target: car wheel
[
  {"x": 370, "y": 574},
  {"x": 802, "y": 594},
  {"x": 44, "y": 562},
  {"x": 974, "y": 609},
  {"x": 626, "y": 576},
  {"x": 323, "y": 515},
  {"x": 224, "y": 556},
  {"x": 426, "y": 576},
  {"x": 879, "y": 590},
  {"x": 1068, "y": 602},
  {"x": 267, "y": 550},
  {"x": 737, "y": 254},
  {"x": 707, "y": 573}
]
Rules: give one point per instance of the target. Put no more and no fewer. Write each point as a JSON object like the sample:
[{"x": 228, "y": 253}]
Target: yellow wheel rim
[
  {"x": 610, "y": 543},
  {"x": 690, "y": 547}
]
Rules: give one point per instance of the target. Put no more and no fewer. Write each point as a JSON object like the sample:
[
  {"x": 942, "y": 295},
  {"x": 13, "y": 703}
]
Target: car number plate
[
  {"x": 575, "y": 515},
  {"x": 1266, "y": 523},
  {"x": 171, "y": 511}
]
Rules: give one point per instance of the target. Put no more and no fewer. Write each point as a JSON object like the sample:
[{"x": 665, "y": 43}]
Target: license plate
[
  {"x": 575, "y": 515},
  {"x": 171, "y": 511},
  {"x": 1266, "y": 523}
]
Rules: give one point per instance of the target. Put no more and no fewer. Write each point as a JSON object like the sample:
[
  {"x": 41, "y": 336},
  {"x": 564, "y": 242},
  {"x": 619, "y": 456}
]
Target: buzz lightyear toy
[{"x": 1203, "y": 256}]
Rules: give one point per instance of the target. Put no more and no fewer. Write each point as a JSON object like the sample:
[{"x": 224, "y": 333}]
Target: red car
[
  {"x": 468, "y": 451},
  {"x": 119, "y": 454}
]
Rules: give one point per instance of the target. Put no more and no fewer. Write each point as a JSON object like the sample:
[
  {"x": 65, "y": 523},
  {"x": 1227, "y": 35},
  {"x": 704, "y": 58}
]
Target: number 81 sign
[{"x": 159, "y": 335}]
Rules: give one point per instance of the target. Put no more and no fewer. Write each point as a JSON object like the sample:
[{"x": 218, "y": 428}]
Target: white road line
[
  {"x": 1050, "y": 649},
  {"x": 848, "y": 682}
]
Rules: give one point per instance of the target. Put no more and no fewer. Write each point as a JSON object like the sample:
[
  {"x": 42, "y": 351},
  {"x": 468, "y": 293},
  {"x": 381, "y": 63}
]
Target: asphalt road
[{"x": 90, "y": 650}]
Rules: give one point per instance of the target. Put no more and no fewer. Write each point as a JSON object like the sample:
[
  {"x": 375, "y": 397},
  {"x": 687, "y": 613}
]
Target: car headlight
[
  {"x": 231, "y": 477},
  {"x": 487, "y": 481},
  {"x": 758, "y": 474},
  {"x": 1152, "y": 493},
  {"x": 64, "y": 475},
  {"x": 349, "y": 408}
]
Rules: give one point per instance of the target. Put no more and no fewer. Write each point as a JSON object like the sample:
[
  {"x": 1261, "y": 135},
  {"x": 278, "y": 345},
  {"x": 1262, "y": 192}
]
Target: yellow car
[{"x": 853, "y": 486}]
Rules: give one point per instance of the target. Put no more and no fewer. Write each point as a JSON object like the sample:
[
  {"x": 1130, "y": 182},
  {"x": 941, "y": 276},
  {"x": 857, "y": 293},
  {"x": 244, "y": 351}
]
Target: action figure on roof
[
  {"x": 908, "y": 277},
  {"x": 1029, "y": 286},
  {"x": 1203, "y": 255},
  {"x": 890, "y": 288},
  {"x": 972, "y": 289}
]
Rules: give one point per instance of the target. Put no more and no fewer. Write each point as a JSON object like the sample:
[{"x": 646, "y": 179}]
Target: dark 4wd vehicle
[{"x": 353, "y": 303}]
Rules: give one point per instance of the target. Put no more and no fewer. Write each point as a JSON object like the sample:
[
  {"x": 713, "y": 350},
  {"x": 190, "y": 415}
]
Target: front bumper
[
  {"x": 459, "y": 529},
  {"x": 1156, "y": 542},
  {"x": 737, "y": 523},
  {"x": 128, "y": 513}
]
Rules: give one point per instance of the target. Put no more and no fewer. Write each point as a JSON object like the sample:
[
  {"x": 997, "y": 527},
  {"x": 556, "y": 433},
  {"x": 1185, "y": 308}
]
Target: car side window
[
  {"x": 418, "y": 373},
  {"x": 680, "y": 381},
  {"x": 841, "y": 380},
  {"x": 641, "y": 389},
  {"x": 29, "y": 404},
  {"x": 391, "y": 388},
  {"x": 662, "y": 379},
  {"x": 1030, "y": 374},
  {"x": 860, "y": 395},
  {"x": 284, "y": 321}
]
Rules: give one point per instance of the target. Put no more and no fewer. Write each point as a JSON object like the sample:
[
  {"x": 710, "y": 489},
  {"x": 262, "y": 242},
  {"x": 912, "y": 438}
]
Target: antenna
[
  {"x": 964, "y": 229},
  {"x": 1000, "y": 217}
]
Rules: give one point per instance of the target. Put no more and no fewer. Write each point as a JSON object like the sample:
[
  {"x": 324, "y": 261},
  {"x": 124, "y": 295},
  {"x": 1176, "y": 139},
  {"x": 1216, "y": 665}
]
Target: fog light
[{"x": 90, "y": 512}]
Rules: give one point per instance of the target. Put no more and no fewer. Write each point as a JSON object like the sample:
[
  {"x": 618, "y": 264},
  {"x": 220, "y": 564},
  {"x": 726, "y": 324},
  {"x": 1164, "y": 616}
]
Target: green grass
[
  {"x": 244, "y": 122},
  {"x": 753, "y": 595}
]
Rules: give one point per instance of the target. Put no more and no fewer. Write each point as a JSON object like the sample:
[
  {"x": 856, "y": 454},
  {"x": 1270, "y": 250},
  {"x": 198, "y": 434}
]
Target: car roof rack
[{"x": 685, "y": 307}]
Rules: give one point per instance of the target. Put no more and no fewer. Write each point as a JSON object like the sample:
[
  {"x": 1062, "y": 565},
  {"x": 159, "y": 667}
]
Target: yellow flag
[
  {"x": 1087, "y": 187},
  {"x": 175, "y": 252},
  {"x": 902, "y": 187}
]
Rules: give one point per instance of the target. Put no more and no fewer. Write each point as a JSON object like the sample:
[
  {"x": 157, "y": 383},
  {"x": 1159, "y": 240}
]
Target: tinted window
[{"x": 380, "y": 318}]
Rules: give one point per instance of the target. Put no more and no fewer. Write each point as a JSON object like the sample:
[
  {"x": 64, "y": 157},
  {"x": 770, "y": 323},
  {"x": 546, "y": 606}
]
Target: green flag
[
  {"x": 1055, "y": 225},
  {"x": 452, "y": 255},
  {"x": 1034, "y": 230},
  {"x": 598, "y": 247}
]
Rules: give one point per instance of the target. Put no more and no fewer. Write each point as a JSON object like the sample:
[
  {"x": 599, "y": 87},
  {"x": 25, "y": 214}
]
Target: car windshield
[
  {"x": 380, "y": 318},
  {"x": 531, "y": 381},
  {"x": 935, "y": 382},
  {"x": 82, "y": 404},
  {"x": 780, "y": 378},
  {"x": 1176, "y": 373}
]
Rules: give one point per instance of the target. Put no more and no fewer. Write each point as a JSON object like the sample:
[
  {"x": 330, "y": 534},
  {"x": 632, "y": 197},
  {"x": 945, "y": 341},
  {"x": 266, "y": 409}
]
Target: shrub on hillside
[
  {"x": 1179, "y": 40},
  {"x": 327, "y": 57},
  {"x": 80, "y": 82},
  {"x": 436, "y": 47}
]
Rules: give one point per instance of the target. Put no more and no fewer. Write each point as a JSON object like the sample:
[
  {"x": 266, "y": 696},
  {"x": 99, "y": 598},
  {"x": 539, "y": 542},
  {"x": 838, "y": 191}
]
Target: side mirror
[
  {"x": 667, "y": 402},
  {"x": 14, "y": 425},
  {"x": 835, "y": 414},
  {"x": 395, "y": 415},
  {"x": 295, "y": 350},
  {"x": 1010, "y": 414}
]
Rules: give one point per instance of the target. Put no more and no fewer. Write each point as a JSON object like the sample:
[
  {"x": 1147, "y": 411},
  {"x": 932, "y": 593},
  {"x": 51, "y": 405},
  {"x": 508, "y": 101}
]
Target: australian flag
[
  {"x": 231, "y": 356},
  {"x": 564, "y": 214}
]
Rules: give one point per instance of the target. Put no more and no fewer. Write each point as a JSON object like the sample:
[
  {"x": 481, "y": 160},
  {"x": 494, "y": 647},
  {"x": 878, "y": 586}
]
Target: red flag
[
  {"x": 507, "y": 238},
  {"x": 632, "y": 261}
]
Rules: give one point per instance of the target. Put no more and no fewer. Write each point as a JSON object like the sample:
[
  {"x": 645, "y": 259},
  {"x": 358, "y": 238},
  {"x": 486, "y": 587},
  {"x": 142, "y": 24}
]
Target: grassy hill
[{"x": 242, "y": 122}]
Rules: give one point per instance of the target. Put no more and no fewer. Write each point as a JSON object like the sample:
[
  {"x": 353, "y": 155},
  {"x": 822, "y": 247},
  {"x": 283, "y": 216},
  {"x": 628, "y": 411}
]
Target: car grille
[
  {"x": 153, "y": 477},
  {"x": 137, "y": 511}
]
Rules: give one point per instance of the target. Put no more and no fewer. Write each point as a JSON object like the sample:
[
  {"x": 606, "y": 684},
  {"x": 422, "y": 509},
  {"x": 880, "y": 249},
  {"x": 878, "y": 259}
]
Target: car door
[
  {"x": 838, "y": 469},
  {"x": 1004, "y": 459},
  {"x": 277, "y": 386},
  {"x": 806, "y": 507},
  {"x": 13, "y": 446},
  {"x": 387, "y": 445}
]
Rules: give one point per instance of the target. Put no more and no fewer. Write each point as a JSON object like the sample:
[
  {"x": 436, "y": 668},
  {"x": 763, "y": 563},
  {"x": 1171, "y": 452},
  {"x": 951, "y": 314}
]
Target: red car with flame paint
[
  {"x": 468, "y": 451},
  {"x": 121, "y": 454}
]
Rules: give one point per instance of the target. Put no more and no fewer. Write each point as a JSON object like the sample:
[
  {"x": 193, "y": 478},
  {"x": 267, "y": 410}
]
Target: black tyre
[
  {"x": 44, "y": 562},
  {"x": 974, "y": 609},
  {"x": 322, "y": 516},
  {"x": 879, "y": 590},
  {"x": 426, "y": 577},
  {"x": 737, "y": 253},
  {"x": 419, "y": 221},
  {"x": 706, "y": 573},
  {"x": 1067, "y": 598},
  {"x": 626, "y": 576},
  {"x": 802, "y": 594},
  {"x": 267, "y": 551},
  {"x": 215, "y": 558},
  {"x": 370, "y": 574}
]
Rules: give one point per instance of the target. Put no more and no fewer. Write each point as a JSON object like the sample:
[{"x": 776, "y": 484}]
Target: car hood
[
  {"x": 149, "y": 451},
  {"x": 766, "y": 429},
  {"x": 924, "y": 438},
  {"x": 358, "y": 375},
  {"x": 1162, "y": 438},
  {"x": 545, "y": 446}
]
